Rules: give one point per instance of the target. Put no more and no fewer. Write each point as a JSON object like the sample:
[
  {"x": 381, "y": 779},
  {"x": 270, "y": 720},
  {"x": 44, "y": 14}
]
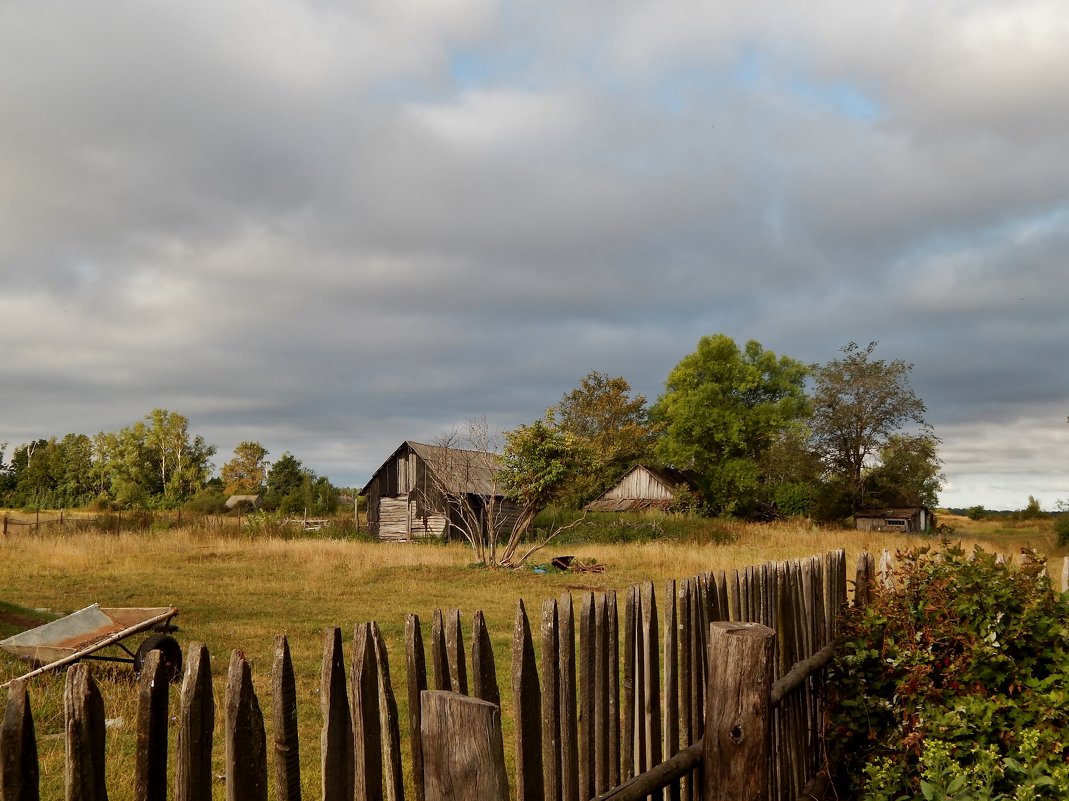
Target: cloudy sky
[{"x": 331, "y": 226}]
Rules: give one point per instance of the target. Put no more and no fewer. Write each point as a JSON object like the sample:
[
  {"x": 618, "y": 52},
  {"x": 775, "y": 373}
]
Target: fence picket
[
  {"x": 150, "y": 764},
  {"x": 464, "y": 754},
  {"x": 551, "y": 723},
  {"x": 284, "y": 716},
  {"x": 527, "y": 700},
  {"x": 336, "y": 740},
  {"x": 587, "y": 695},
  {"x": 483, "y": 665},
  {"x": 20, "y": 775},
  {"x": 614, "y": 688},
  {"x": 416, "y": 662},
  {"x": 367, "y": 730},
  {"x": 196, "y": 722},
  {"x": 391, "y": 752},
  {"x": 83, "y": 712},
  {"x": 628, "y": 735},
  {"x": 602, "y": 712},
  {"x": 568, "y": 711},
  {"x": 439, "y": 660},
  {"x": 454, "y": 652},
  {"x": 245, "y": 740}
]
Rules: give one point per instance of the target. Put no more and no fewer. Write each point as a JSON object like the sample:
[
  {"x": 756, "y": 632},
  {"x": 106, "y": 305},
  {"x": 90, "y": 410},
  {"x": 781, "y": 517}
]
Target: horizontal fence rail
[{"x": 614, "y": 696}]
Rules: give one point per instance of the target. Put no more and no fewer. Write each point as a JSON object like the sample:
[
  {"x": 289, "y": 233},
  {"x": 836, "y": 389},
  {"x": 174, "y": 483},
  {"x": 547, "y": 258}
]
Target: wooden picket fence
[{"x": 608, "y": 708}]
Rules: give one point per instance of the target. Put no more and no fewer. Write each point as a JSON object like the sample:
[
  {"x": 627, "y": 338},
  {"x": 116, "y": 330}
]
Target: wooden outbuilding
[
  {"x": 433, "y": 491},
  {"x": 644, "y": 487},
  {"x": 909, "y": 519},
  {"x": 248, "y": 501}
]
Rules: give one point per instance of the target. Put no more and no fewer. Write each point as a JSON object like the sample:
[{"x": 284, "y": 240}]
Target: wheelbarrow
[{"x": 87, "y": 632}]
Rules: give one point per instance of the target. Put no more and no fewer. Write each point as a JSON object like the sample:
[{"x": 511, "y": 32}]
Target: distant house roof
[
  {"x": 643, "y": 487},
  {"x": 457, "y": 470},
  {"x": 901, "y": 511},
  {"x": 234, "y": 500}
]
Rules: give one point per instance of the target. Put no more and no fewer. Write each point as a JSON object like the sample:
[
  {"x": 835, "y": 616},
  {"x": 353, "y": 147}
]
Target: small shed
[
  {"x": 424, "y": 491},
  {"x": 642, "y": 488},
  {"x": 253, "y": 501},
  {"x": 908, "y": 519}
]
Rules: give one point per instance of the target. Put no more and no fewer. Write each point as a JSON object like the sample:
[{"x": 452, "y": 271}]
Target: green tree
[
  {"x": 615, "y": 426},
  {"x": 285, "y": 476},
  {"x": 722, "y": 409},
  {"x": 539, "y": 463},
  {"x": 909, "y": 472},
  {"x": 859, "y": 403},
  {"x": 247, "y": 471}
]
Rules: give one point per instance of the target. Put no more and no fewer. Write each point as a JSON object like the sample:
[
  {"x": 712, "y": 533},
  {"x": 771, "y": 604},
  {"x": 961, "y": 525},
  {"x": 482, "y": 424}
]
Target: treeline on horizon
[{"x": 760, "y": 436}]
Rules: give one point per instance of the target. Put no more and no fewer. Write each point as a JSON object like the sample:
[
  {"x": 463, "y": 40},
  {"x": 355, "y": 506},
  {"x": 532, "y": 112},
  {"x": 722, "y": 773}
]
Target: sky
[{"x": 329, "y": 226}]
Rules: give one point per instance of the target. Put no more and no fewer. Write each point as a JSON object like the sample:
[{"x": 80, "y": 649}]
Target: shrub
[
  {"x": 1061, "y": 529},
  {"x": 955, "y": 684}
]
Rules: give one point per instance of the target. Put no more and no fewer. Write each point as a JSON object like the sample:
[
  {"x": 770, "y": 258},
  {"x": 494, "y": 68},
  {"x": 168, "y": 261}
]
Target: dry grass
[{"x": 240, "y": 593}]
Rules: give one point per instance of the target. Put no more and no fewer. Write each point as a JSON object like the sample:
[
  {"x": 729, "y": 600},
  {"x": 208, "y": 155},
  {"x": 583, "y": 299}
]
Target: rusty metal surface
[{"x": 84, "y": 631}]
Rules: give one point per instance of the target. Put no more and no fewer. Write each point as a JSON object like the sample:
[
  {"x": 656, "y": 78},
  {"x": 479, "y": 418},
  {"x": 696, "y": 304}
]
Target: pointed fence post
[
  {"x": 196, "y": 721},
  {"x": 83, "y": 710},
  {"x": 416, "y": 662},
  {"x": 150, "y": 766},
  {"x": 19, "y": 769},
  {"x": 527, "y": 701},
  {"x": 245, "y": 740},
  {"x": 738, "y": 717},
  {"x": 284, "y": 713},
  {"x": 336, "y": 739}
]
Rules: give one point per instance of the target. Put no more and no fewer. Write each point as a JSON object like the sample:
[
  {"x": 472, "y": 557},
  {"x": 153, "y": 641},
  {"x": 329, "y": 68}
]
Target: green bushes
[
  {"x": 955, "y": 685},
  {"x": 1061, "y": 529}
]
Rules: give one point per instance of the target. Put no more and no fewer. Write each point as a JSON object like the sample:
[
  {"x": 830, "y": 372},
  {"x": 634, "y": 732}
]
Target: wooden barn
[
  {"x": 426, "y": 491},
  {"x": 907, "y": 519},
  {"x": 644, "y": 487}
]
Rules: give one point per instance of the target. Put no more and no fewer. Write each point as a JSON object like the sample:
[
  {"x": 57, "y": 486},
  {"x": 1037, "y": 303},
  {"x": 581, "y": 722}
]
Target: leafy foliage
[
  {"x": 247, "y": 471},
  {"x": 859, "y": 404},
  {"x": 955, "y": 683},
  {"x": 722, "y": 409}
]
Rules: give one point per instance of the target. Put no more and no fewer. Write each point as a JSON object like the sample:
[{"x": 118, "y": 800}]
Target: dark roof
[
  {"x": 458, "y": 470},
  {"x": 901, "y": 511}
]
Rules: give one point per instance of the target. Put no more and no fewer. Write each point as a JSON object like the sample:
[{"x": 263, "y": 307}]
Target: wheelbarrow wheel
[{"x": 170, "y": 655}]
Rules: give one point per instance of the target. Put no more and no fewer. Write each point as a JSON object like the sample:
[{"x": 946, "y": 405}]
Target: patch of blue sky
[
  {"x": 842, "y": 99},
  {"x": 485, "y": 68}
]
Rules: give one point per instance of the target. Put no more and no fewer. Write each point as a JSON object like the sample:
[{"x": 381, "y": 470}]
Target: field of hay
[{"x": 239, "y": 592}]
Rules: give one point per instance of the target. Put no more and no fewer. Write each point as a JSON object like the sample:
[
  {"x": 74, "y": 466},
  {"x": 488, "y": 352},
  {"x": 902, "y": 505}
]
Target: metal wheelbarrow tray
[{"x": 81, "y": 634}]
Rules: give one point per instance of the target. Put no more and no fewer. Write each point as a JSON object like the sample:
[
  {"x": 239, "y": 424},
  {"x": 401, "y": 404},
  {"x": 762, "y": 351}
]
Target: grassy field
[{"x": 239, "y": 592}]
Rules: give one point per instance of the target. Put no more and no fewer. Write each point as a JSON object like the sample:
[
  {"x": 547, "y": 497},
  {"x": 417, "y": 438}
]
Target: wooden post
[
  {"x": 245, "y": 740},
  {"x": 551, "y": 723},
  {"x": 150, "y": 766},
  {"x": 196, "y": 720},
  {"x": 391, "y": 752},
  {"x": 367, "y": 729},
  {"x": 19, "y": 770},
  {"x": 83, "y": 711},
  {"x": 527, "y": 701},
  {"x": 439, "y": 660},
  {"x": 569, "y": 725},
  {"x": 454, "y": 651},
  {"x": 737, "y": 741},
  {"x": 336, "y": 740},
  {"x": 416, "y": 662},
  {"x": 284, "y": 713},
  {"x": 464, "y": 758},
  {"x": 483, "y": 666}
]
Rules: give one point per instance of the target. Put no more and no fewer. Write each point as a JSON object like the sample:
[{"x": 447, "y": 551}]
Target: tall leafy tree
[
  {"x": 859, "y": 403},
  {"x": 722, "y": 409},
  {"x": 247, "y": 471},
  {"x": 909, "y": 472},
  {"x": 614, "y": 424}
]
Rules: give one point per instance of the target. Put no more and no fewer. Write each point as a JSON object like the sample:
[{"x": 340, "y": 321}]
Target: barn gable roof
[
  {"x": 669, "y": 478},
  {"x": 459, "y": 471}
]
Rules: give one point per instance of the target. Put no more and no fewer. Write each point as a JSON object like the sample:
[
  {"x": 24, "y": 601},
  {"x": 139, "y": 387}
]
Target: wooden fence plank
[
  {"x": 336, "y": 740},
  {"x": 614, "y": 687},
  {"x": 286, "y": 740},
  {"x": 588, "y": 696},
  {"x": 416, "y": 662},
  {"x": 153, "y": 697},
  {"x": 454, "y": 651},
  {"x": 737, "y": 736},
  {"x": 483, "y": 665},
  {"x": 670, "y": 702},
  {"x": 569, "y": 745},
  {"x": 463, "y": 750},
  {"x": 602, "y": 712},
  {"x": 651, "y": 668},
  {"x": 391, "y": 752},
  {"x": 196, "y": 723},
  {"x": 527, "y": 702},
  {"x": 245, "y": 740},
  {"x": 628, "y": 733},
  {"x": 439, "y": 660},
  {"x": 551, "y": 723},
  {"x": 20, "y": 775},
  {"x": 367, "y": 729},
  {"x": 83, "y": 712}
]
